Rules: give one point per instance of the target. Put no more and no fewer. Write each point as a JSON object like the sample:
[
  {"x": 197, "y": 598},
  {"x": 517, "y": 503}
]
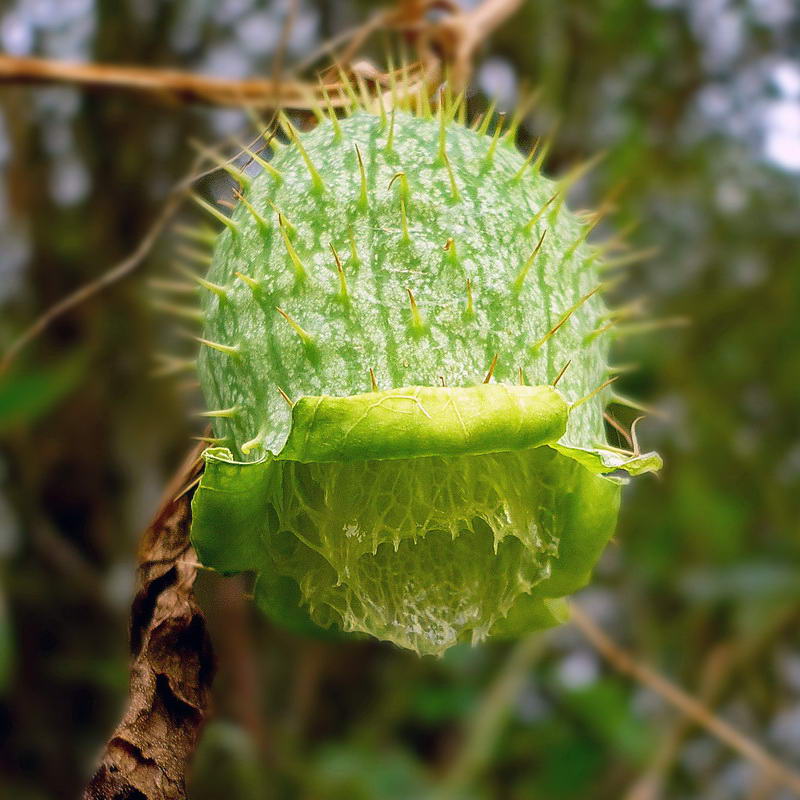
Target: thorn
[
  {"x": 517, "y": 178},
  {"x": 470, "y": 309},
  {"x": 170, "y": 365},
  {"x": 524, "y": 107},
  {"x": 634, "y": 437},
  {"x": 305, "y": 337},
  {"x": 575, "y": 174},
  {"x": 544, "y": 151},
  {"x": 203, "y": 235},
  {"x": 251, "y": 282},
  {"x": 250, "y": 445},
  {"x": 619, "y": 240},
  {"x": 262, "y": 162},
  {"x": 274, "y": 143},
  {"x": 489, "y": 157},
  {"x": 487, "y": 118},
  {"x": 372, "y": 380},
  {"x": 316, "y": 178},
  {"x": 424, "y": 102},
  {"x": 210, "y": 439},
  {"x": 561, "y": 374},
  {"x": 260, "y": 221},
  {"x": 342, "y": 280},
  {"x": 538, "y": 215},
  {"x": 199, "y": 257},
  {"x": 621, "y": 369},
  {"x": 490, "y": 373},
  {"x": 441, "y": 380},
  {"x": 442, "y": 154},
  {"x": 526, "y": 267},
  {"x": 622, "y": 400},
  {"x": 417, "y": 321},
  {"x": 347, "y": 85},
  {"x": 212, "y": 155},
  {"x": 313, "y": 104},
  {"x": 403, "y": 183},
  {"x": 282, "y": 219},
  {"x": 565, "y": 316},
  {"x": 172, "y": 286},
  {"x": 218, "y": 290},
  {"x": 628, "y": 311},
  {"x": 285, "y": 397},
  {"x": 228, "y": 350},
  {"x": 215, "y": 212},
  {"x": 403, "y": 197},
  {"x": 452, "y": 177},
  {"x": 192, "y": 314},
  {"x": 618, "y": 428},
  {"x": 450, "y": 249},
  {"x": 299, "y": 269},
  {"x": 636, "y": 328},
  {"x": 337, "y": 128},
  {"x": 520, "y": 376},
  {"x": 389, "y": 146},
  {"x": 628, "y": 259},
  {"x": 222, "y": 413},
  {"x": 594, "y": 392},
  {"x": 455, "y": 106},
  {"x": 353, "y": 250},
  {"x": 592, "y": 335},
  {"x": 382, "y": 110},
  {"x": 363, "y": 201},
  {"x": 580, "y": 239},
  {"x": 186, "y": 489},
  {"x": 462, "y": 112}
]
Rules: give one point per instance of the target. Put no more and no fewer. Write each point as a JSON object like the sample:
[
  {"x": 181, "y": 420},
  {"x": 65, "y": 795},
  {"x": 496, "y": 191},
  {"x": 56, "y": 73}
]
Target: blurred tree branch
[
  {"x": 453, "y": 40},
  {"x": 449, "y": 43}
]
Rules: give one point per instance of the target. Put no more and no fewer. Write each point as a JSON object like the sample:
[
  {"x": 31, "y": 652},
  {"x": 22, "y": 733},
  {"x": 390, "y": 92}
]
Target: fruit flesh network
[{"x": 417, "y": 254}]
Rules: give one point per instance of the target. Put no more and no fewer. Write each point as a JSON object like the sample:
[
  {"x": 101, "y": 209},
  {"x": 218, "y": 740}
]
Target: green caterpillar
[{"x": 406, "y": 349}]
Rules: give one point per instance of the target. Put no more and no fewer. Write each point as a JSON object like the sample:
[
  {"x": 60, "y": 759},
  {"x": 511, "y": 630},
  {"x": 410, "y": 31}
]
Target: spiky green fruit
[{"x": 372, "y": 307}]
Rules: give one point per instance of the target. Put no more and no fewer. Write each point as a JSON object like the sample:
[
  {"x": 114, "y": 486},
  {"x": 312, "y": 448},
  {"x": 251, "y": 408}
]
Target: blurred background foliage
[{"x": 697, "y": 105}]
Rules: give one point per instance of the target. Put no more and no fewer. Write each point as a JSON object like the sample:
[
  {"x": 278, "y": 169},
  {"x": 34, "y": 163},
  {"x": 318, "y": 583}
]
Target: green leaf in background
[{"x": 26, "y": 395}]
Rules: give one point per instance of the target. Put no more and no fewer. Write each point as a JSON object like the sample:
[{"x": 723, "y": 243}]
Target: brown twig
[
  {"x": 113, "y": 275},
  {"x": 172, "y": 668},
  {"x": 186, "y": 86},
  {"x": 692, "y": 708},
  {"x": 457, "y": 37}
]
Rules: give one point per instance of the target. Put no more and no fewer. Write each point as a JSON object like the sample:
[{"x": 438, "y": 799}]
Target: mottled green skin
[
  {"x": 373, "y": 329},
  {"x": 420, "y": 514}
]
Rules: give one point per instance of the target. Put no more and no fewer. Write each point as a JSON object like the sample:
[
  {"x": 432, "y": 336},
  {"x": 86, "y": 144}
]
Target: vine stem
[
  {"x": 692, "y": 708},
  {"x": 485, "y": 725}
]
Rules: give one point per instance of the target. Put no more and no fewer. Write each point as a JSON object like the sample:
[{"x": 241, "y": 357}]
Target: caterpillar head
[{"x": 405, "y": 348}]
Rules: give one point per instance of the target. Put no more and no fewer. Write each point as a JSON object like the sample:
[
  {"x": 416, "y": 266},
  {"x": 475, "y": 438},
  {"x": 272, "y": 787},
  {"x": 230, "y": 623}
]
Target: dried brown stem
[
  {"x": 185, "y": 86},
  {"x": 172, "y": 667}
]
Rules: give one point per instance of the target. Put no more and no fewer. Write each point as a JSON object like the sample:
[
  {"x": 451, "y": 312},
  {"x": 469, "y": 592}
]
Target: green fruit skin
[
  {"x": 449, "y": 540},
  {"x": 373, "y": 327}
]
